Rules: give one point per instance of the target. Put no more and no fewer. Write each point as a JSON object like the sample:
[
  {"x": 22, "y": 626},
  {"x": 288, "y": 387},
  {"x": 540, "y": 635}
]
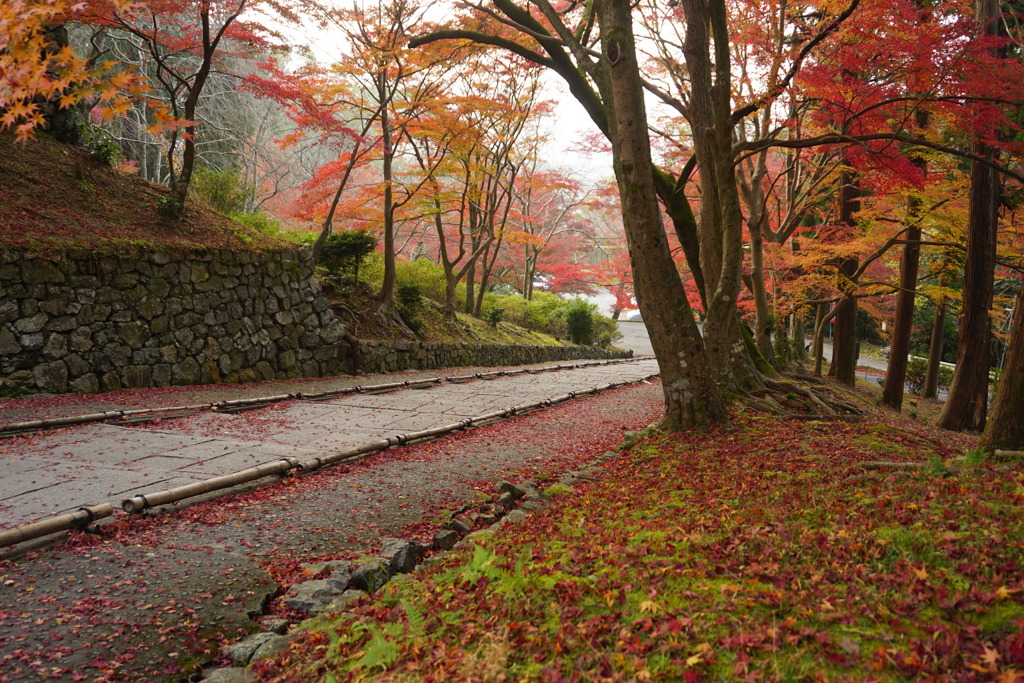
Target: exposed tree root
[
  {"x": 389, "y": 317},
  {"x": 779, "y": 392},
  {"x": 1009, "y": 455}
]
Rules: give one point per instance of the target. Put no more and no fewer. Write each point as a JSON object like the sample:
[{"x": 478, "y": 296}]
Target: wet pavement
[{"x": 61, "y": 470}]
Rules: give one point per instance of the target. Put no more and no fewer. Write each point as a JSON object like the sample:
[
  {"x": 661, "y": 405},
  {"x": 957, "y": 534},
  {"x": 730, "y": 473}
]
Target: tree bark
[
  {"x": 821, "y": 310},
  {"x": 896, "y": 369},
  {"x": 721, "y": 247},
  {"x": 691, "y": 397},
  {"x": 899, "y": 348},
  {"x": 386, "y": 298},
  {"x": 936, "y": 346},
  {"x": 1005, "y": 428},
  {"x": 762, "y": 314},
  {"x": 967, "y": 404},
  {"x": 844, "y": 341}
]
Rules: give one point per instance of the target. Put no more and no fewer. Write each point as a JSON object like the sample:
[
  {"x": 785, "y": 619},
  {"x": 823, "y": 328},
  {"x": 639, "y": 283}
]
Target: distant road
[{"x": 635, "y": 337}]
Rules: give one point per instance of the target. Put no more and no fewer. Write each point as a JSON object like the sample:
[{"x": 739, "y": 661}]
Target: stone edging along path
[
  {"x": 347, "y": 583},
  {"x": 85, "y": 516}
]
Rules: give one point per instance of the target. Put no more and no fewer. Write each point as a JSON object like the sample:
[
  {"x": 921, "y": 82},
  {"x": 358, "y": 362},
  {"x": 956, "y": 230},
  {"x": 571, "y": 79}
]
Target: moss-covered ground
[{"x": 764, "y": 549}]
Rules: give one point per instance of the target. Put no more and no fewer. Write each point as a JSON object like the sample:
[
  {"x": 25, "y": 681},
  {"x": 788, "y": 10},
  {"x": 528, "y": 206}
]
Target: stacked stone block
[
  {"x": 381, "y": 356},
  {"x": 86, "y": 322}
]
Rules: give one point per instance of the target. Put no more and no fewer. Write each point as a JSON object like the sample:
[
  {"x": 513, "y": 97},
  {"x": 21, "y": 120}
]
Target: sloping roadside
[
  {"x": 764, "y": 549},
  {"x": 153, "y": 597}
]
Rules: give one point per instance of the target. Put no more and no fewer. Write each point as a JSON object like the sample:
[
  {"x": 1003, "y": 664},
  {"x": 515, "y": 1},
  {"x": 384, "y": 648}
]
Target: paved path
[
  {"x": 150, "y": 597},
  {"x": 59, "y": 471}
]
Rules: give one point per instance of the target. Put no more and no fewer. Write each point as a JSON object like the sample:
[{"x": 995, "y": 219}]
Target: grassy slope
[
  {"x": 53, "y": 196},
  {"x": 356, "y": 309},
  {"x": 760, "y": 550}
]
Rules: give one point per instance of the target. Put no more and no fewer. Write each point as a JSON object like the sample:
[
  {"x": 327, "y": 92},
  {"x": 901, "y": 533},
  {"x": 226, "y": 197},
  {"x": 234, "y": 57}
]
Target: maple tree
[
  {"x": 547, "y": 224},
  {"x": 472, "y": 169},
  {"x": 41, "y": 73},
  {"x": 184, "y": 41},
  {"x": 616, "y": 276}
]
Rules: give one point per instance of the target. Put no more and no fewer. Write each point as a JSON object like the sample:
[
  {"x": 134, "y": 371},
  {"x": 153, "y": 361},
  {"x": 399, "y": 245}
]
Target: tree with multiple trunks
[
  {"x": 593, "y": 49},
  {"x": 547, "y": 205}
]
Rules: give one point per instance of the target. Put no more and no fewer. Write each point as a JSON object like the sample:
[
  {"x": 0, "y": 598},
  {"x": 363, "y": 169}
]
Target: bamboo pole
[
  {"x": 145, "y": 501},
  {"x": 79, "y": 519}
]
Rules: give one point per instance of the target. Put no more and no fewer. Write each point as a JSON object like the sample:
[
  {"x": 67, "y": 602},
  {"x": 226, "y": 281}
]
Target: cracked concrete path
[{"x": 59, "y": 471}]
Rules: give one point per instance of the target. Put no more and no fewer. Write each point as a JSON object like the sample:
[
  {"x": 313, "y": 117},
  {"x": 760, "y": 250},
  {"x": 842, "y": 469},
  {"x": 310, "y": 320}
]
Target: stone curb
[{"x": 348, "y": 582}]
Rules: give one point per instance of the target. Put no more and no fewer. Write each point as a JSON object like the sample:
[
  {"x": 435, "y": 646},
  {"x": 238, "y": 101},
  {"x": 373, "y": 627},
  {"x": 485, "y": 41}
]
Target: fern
[{"x": 379, "y": 652}]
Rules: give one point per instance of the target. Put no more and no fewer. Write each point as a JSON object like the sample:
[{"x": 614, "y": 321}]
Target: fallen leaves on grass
[{"x": 755, "y": 551}]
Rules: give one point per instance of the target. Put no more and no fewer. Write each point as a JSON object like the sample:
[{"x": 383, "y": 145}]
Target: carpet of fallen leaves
[
  {"x": 759, "y": 550},
  {"x": 55, "y": 196}
]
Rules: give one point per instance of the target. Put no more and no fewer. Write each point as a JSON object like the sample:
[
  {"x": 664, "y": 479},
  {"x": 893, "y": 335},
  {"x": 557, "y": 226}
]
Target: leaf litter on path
[{"x": 164, "y": 593}]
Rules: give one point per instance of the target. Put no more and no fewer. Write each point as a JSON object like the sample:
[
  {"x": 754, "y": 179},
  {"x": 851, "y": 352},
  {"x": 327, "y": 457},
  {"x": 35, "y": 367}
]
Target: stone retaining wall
[
  {"x": 397, "y": 356},
  {"x": 85, "y": 322}
]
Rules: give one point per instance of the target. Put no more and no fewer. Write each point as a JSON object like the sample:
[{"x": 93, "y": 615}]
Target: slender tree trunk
[
  {"x": 762, "y": 313},
  {"x": 844, "y": 342},
  {"x": 387, "y": 290},
  {"x": 1005, "y": 428},
  {"x": 896, "y": 369},
  {"x": 819, "y": 338},
  {"x": 691, "y": 397},
  {"x": 936, "y": 347},
  {"x": 470, "y": 286},
  {"x": 485, "y": 272}
]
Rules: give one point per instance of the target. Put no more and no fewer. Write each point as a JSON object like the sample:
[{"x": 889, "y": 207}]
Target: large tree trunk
[
  {"x": 62, "y": 123},
  {"x": 691, "y": 397},
  {"x": 721, "y": 245},
  {"x": 896, "y": 370},
  {"x": 966, "y": 406},
  {"x": 1005, "y": 428},
  {"x": 967, "y": 403}
]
